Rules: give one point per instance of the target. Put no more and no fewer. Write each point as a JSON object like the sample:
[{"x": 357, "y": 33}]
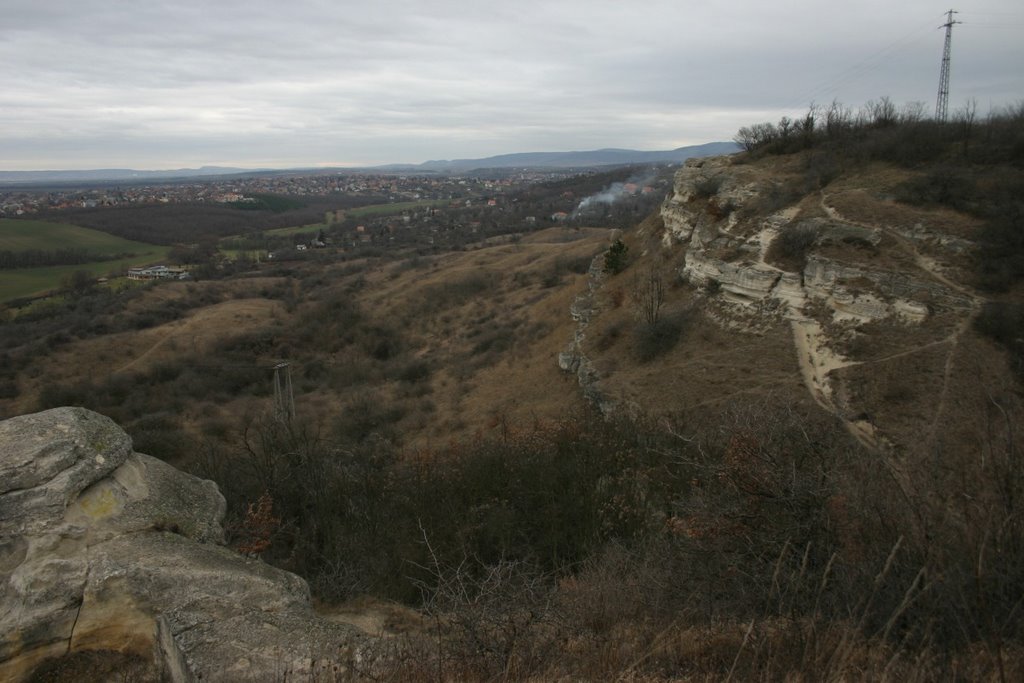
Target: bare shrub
[
  {"x": 1000, "y": 255},
  {"x": 620, "y": 585},
  {"x": 654, "y": 339},
  {"x": 608, "y": 336},
  {"x": 490, "y": 621},
  {"x": 777, "y": 196},
  {"x": 707, "y": 186},
  {"x": 1004, "y": 323},
  {"x": 648, "y": 296},
  {"x": 790, "y": 247}
]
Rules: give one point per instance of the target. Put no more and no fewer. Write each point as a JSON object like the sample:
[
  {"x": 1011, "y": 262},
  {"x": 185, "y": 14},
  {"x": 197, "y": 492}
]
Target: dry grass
[
  {"x": 495, "y": 351},
  {"x": 711, "y": 365},
  {"x": 485, "y": 324},
  {"x": 99, "y": 665},
  {"x": 476, "y": 336}
]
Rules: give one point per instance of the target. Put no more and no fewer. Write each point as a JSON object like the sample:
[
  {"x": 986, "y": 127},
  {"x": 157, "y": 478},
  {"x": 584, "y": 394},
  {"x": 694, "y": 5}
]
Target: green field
[
  {"x": 19, "y": 235},
  {"x": 253, "y": 254},
  {"x": 396, "y": 207},
  {"x": 371, "y": 210},
  {"x": 297, "y": 230}
]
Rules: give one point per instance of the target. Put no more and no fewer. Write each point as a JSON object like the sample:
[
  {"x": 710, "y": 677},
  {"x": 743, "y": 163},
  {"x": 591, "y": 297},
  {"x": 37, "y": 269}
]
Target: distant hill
[
  {"x": 107, "y": 174},
  {"x": 599, "y": 157}
]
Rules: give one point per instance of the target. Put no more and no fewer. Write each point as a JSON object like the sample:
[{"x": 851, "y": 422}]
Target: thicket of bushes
[
  {"x": 539, "y": 549},
  {"x": 1004, "y": 323},
  {"x": 882, "y": 131},
  {"x": 33, "y": 258},
  {"x": 187, "y": 223},
  {"x": 790, "y": 247},
  {"x": 330, "y": 342},
  {"x": 658, "y": 337}
]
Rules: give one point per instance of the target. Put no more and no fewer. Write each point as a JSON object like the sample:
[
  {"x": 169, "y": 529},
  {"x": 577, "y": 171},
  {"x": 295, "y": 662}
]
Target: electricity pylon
[
  {"x": 284, "y": 399},
  {"x": 942, "y": 101}
]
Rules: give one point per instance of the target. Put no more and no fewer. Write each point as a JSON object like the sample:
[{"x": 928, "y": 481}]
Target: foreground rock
[{"x": 104, "y": 549}]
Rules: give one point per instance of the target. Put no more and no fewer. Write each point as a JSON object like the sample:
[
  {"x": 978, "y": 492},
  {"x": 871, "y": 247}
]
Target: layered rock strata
[
  {"x": 105, "y": 549},
  {"x": 852, "y": 291}
]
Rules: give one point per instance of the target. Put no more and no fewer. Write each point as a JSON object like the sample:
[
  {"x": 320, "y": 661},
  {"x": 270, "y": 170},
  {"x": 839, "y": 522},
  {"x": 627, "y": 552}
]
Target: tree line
[
  {"x": 33, "y": 258},
  {"x": 190, "y": 223}
]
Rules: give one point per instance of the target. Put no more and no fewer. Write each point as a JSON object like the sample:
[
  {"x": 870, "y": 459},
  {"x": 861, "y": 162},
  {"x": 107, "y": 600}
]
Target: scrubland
[{"x": 445, "y": 485}]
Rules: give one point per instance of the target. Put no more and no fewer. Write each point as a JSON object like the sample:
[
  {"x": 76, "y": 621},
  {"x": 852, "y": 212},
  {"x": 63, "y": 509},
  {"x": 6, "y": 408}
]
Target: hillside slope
[
  {"x": 839, "y": 292},
  {"x": 419, "y": 351},
  {"x": 807, "y": 466}
]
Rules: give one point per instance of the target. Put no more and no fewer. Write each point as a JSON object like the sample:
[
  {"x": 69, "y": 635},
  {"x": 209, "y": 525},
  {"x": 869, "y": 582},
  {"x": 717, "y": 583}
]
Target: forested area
[
  {"x": 169, "y": 224},
  {"x": 33, "y": 258}
]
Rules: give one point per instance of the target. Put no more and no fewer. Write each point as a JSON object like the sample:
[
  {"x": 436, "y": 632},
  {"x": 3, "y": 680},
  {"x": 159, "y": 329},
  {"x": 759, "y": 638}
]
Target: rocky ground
[{"x": 106, "y": 550}]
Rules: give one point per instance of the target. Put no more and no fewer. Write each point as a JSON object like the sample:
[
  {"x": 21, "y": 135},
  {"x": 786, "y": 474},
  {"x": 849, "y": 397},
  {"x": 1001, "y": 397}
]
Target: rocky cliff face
[
  {"x": 860, "y": 269},
  {"x": 733, "y": 252},
  {"x": 105, "y": 549},
  {"x": 786, "y": 275}
]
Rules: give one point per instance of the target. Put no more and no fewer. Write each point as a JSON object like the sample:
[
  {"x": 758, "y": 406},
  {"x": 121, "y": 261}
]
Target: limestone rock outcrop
[
  {"x": 573, "y": 360},
  {"x": 732, "y": 187},
  {"x": 846, "y": 264},
  {"x": 105, "y": 549},
  {"x": 695, "y": 218}
]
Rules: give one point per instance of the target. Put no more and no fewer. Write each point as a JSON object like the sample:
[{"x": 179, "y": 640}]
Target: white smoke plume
[{"x": 615, "y": 192}]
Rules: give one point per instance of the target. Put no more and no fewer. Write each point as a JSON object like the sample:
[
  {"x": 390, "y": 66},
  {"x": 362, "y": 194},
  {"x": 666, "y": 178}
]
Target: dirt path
[
  {"x": 149, "y": 352},
  {"x": 940, "y": 408},
  {"x": 817, "y": 359},
  {"x": 205, "y": 325},
  {"x": 933, "y": 270}
]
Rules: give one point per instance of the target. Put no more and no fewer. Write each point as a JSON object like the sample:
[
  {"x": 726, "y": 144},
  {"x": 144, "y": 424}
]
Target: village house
[{"x": 157, "y": 273}]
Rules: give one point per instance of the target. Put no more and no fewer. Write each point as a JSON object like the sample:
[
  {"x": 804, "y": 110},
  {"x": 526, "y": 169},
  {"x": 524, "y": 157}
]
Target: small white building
[{"x": 157, "y": 273}]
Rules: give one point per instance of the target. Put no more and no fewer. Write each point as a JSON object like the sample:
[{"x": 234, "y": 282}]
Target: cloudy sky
[{"x": 287, "y": 83}]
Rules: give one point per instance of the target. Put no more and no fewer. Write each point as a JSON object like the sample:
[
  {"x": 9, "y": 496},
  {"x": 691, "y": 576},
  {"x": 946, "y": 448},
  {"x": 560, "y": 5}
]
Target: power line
[{"x": 869, "y": 64}]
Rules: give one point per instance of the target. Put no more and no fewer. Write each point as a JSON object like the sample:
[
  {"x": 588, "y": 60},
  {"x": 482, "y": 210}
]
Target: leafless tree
[
  {"x": 965, "y": 119},
  {"x": 648, "y": 296},
  {"x": 882, "y": 113}
]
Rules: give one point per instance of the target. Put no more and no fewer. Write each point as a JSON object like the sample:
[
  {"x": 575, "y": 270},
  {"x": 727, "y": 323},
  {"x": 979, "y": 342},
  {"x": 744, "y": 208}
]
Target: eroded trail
[
  {"x": 816, "y": 356},
  {"x": 176, "y": 328},
  {"x": 932, "y": 270},
  {"x": 201, "y": 328}
]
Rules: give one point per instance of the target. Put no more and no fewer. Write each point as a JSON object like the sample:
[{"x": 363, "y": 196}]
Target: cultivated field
[
  {"x": 395, "y": 207},
  {"x": 310, "y": 229},
  {"x": 113, "y": 254},
  {"x": 22, "y": 235}
]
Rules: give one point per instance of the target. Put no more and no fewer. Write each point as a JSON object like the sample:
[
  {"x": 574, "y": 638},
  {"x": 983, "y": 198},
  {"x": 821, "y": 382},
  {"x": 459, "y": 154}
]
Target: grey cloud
[{"x": 305, "y": 82}]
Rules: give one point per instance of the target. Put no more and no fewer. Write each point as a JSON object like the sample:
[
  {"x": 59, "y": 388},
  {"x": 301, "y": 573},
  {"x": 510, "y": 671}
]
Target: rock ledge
[{"x": 105, "y": 549}]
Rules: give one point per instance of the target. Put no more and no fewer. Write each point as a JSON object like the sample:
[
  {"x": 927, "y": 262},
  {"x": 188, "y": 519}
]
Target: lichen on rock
[{"x": 104, "y": 549}]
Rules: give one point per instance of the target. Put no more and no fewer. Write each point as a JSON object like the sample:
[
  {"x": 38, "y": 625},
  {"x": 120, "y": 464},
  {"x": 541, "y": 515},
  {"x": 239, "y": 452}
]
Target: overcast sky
[{"x": 289, "y": 83}]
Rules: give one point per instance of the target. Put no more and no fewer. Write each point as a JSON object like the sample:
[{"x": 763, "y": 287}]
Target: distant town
[{"x": 22, "y": 201}]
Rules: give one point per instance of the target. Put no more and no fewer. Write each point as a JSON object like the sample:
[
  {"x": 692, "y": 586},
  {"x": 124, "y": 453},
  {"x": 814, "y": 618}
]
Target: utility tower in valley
[
  {"x": 284, "y": 399},
  {"x": 942, "y": 101}
]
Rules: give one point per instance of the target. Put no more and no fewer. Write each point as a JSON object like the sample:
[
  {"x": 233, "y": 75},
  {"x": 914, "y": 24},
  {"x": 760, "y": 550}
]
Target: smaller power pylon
[{"x": 284, "y": 399}]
